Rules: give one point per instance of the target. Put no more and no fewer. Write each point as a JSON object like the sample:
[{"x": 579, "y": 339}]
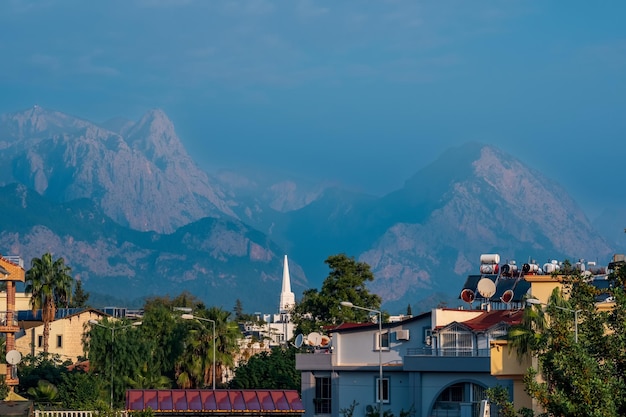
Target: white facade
[
  {"x": 278, "y": 328},
  {"x": 419, "y": 374}
]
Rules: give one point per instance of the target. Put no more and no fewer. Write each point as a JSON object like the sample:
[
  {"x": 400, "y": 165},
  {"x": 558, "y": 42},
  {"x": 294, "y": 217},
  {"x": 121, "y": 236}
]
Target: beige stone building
[{"x": 66, "y": 335}]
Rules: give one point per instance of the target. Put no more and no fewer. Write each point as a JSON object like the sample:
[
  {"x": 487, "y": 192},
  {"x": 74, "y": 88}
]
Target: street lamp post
[
  {"x": 380, "y": 349},
  {"x": 537, "y": 302},
  {"x": 191, "y": 317},
  {"x": 96, "y": 323}
]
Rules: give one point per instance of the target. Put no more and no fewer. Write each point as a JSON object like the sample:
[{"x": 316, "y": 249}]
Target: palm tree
[
  {"x": 50, "y": 284},
  {"x": 194, "y": 367}
]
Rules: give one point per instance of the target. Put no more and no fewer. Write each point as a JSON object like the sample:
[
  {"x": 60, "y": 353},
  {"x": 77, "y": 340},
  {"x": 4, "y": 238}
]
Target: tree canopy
[
  {"x": 582, "y": 364},
  {"x": 346, "y": 282},
  {"x": 50, "y": 283},
  {"x": 268, "y": 370}
]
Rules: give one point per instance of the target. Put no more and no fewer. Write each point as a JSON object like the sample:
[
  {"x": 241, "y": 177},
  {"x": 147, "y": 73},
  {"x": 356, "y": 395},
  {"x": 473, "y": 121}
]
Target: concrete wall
[{"x": 70, "y": 329}]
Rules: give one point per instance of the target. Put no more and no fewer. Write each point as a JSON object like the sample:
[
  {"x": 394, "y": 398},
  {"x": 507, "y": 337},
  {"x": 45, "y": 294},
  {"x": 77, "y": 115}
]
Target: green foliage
[
  {"x": 349, "y": 411},
  {"x": 194, "y": 368},
  {"x": 167, "y": 332},
  {"x": 116, "y": 351},
  {"x": 50, "y": 283},
  {"x": 81, "y": 391},
  {"x": 80, "y": 297},
  {"x": 44, "y": 366},
  {"x": 273, "y": 370},
  {"x": 4, "y": 388},
  {"x": 499, "y": 396},
  {"x": 143, "y": 413},
  {"x": 345, "y": 282},
  {"x": 375, "y": 412},
  {"x": 45, "y": 393},
  {"x": 584, "y": 376}
]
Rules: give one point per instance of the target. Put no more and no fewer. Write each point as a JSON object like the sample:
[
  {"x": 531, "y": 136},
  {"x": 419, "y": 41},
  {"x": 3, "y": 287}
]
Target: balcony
[
  {"x": 313, "y": 361},
  {"x": 8, "y": 326},
  {"x": 447, "y": 359},
  {"x": 505, "y": 364}
]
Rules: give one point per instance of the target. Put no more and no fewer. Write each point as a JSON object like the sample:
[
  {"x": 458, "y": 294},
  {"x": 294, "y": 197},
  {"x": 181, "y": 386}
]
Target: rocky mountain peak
[
  {"x": 66, "y": 158},
  {"x": 37, "y": 120},
  {"x": 154, "y": 136}
]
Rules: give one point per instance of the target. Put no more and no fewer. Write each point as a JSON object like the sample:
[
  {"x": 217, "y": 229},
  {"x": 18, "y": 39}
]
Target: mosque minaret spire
[{"x": 287, "y": 298}]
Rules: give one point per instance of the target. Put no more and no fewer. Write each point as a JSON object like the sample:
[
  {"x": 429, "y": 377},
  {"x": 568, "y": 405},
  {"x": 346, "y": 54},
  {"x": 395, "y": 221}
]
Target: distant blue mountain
[{"x": 134, "y": 217}]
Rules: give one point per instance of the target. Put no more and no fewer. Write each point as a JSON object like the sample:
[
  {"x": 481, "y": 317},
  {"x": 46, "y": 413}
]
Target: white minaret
[{"x": 287, "y": 298}]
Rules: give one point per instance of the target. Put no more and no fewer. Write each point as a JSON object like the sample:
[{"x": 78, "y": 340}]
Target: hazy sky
[{"x": 366, "y": 92}]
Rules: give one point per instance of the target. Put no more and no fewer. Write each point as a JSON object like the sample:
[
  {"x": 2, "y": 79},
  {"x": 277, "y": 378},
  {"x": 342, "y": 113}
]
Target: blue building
[{"x": 434, "y": 364}]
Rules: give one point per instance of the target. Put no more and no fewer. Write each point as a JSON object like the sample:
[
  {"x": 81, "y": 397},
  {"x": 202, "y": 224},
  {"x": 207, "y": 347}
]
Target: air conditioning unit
[{"x": 402, "y": 334}]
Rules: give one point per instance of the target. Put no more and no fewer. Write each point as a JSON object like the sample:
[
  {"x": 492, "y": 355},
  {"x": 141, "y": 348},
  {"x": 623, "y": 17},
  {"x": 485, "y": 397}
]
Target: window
[
  {"x": 381, "y": 340},
  {"x": 59, "y": 341},
  {"x": 39, "y": 341},
  {"x": 382, "y": 386},
  {"x": 456, "y": 341},
  {"x": 449, "y": 401},
  {"x": 322, "y": 395}
]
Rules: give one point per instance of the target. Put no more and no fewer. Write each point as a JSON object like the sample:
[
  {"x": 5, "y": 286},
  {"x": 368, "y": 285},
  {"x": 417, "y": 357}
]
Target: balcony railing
[
  {"x": 456, "y": 352},
  {"x": 3, "y": 319}
]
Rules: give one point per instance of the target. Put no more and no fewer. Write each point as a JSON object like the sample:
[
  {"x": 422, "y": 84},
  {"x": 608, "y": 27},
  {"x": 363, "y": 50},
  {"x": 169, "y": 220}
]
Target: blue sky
[{"x": 364, "y": 92}]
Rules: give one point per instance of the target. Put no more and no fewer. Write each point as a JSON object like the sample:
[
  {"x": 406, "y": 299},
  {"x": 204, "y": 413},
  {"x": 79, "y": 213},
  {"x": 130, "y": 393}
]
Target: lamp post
[
  {"x": 96, "y": 323},
  {"x": 537, "y": 302},
  {"x": 191, "y": 317},
  {"x": 380, "y": 349}
]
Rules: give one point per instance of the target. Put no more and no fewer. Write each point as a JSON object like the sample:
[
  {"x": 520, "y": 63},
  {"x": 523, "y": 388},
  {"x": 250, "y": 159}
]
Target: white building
[{"x": 278, "y": 328}]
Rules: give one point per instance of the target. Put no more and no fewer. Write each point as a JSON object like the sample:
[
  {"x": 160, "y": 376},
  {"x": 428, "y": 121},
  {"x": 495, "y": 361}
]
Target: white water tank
[{"x": 490, "y": 258}]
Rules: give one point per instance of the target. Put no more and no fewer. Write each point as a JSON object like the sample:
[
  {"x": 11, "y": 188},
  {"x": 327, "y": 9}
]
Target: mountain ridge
[{"x": 146, "y": 218}]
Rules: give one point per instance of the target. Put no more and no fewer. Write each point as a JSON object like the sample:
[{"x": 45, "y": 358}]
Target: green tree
[
  {"x": 194, "y": 367},
  {"x": 80, "y": 297},
  {"x": 581, "y": 375},
  {"x": 268, "y": 370},
  {"x": 145, "y": 379},
  {"x": 4, "y": 388},
  {"x": 117, "y": 350},
  {"x": 80, "y": 390},
  {"x": 162, "y": 326},
  {"x": 238, "y": 310},
  {"x": 32, "y": 369},
  {"x": 346, "y": 282},
  {"x": 50, "y": 283},
  {"x": 45, "y": 393}
]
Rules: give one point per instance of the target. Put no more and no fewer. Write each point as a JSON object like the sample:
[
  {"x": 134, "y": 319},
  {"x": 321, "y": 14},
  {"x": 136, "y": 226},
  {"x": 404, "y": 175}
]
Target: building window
[
  {"x": 59, "y": 341},
  {"x": 456, "y": 341},
  {"x": 381, "y": 340},
  {"x": 322, "y": 395},
  {"x": 382, "y": 386},
  {"x": 39, "y": 341}
]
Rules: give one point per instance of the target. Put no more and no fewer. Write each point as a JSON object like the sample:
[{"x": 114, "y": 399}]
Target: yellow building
[
  {"x": 22, "y": 301},
  {"x": 66, "y": 335},
  {"x": 505, "y": 364}
]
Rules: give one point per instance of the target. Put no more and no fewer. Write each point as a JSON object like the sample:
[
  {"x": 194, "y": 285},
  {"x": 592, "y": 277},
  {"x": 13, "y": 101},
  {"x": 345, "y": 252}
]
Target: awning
[{"x": 218, "y": 402}]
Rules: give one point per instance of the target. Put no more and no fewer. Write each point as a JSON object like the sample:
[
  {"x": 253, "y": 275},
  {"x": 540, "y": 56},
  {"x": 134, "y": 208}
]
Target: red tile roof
[
  {"x": 218, "y": 402},
  {"x": 491, "y": 318}
]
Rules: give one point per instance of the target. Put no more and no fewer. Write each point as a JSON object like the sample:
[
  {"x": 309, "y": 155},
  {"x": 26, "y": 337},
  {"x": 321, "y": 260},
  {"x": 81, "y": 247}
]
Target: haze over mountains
[{"x": 132, "y": 214}]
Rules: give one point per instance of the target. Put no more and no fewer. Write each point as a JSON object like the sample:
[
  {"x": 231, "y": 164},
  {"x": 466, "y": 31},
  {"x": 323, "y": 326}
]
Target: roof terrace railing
[
  {"x": 3, "y": 319},
  {"x": 456, "y": 352}
]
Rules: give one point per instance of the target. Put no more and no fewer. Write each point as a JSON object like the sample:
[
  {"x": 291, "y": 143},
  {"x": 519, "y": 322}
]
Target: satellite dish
[
  {"x": 299, "y": 340},
  {"x": 325, "y": 341},
  {"x": 486, "y": 288},
  {"x": 467, "y": 295},
  {"x": 314, "y": 339},
  {"x": 507, "y": 296},
  {"x": 13, "y": 357}
]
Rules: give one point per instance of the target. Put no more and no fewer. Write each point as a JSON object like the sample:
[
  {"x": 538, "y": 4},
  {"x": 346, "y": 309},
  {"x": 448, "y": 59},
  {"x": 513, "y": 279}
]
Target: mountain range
[{"x": 128, "y": 209}]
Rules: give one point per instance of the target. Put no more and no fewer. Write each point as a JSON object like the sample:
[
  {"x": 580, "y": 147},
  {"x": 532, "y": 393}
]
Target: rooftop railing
[{"x": 456, "y": 352}]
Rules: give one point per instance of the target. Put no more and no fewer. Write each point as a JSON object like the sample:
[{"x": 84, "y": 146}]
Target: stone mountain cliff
[
  {"x": 155, "y": 222},
  {"x": 144, "y": 180}
]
